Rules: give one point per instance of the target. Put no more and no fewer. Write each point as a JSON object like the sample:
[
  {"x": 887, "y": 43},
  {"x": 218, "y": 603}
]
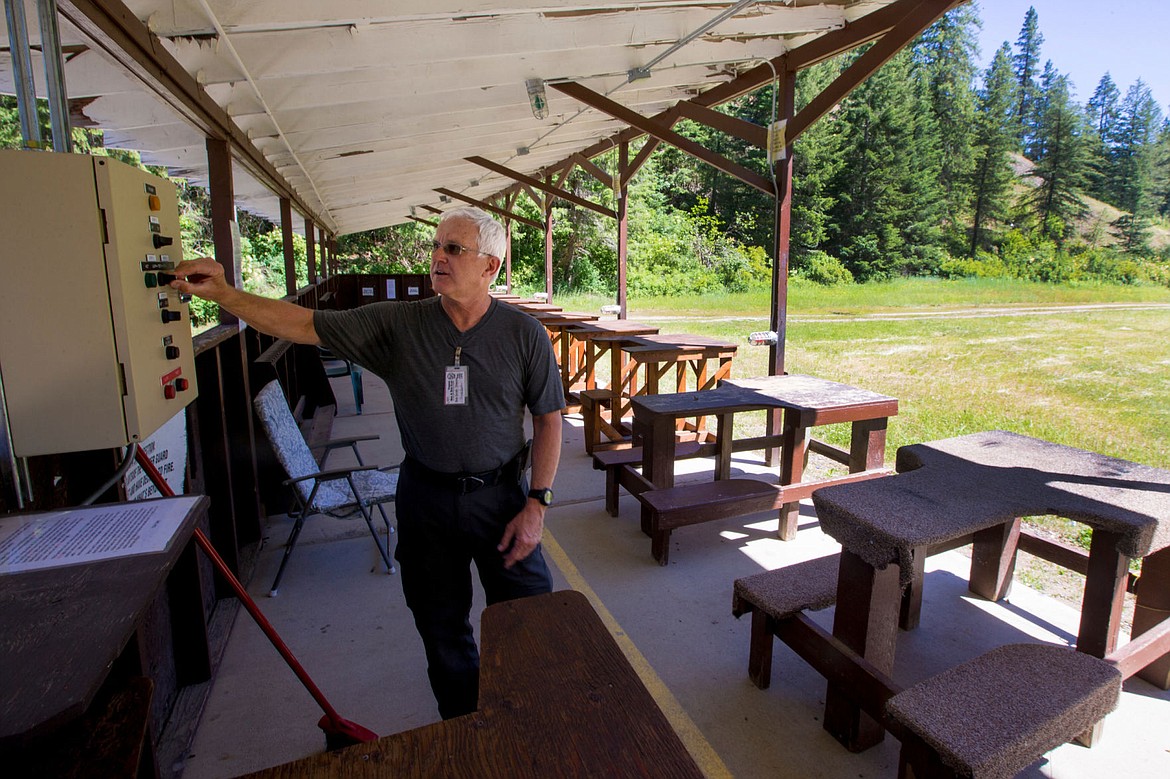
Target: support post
[
  {"x": 623, "y": 165},
  {"x": 286, "y": 242},
  {"x": 548, "y": 247},
  {"x": 22, "y": 73},
  {"x": 223, "y": 214},
  {"x": 782, "y": 237},
  {"x": 311, "y": 249},
  {"x": 508, "y": 255}
]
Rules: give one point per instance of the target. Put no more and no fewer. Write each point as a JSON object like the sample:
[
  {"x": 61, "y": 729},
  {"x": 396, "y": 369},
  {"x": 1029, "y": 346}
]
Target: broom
[{"x": 339, "y": 732}]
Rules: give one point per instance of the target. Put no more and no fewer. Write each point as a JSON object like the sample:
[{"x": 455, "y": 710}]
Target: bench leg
[
  {"x": 917, "y": 760},
  {"x": 612, "y": 492},
  {"x": 993, "y": 560},
  {"x": 910, "y": 614},
  {"x": 660, "y": 546},
  {"x": 760, "y": 651},
  {"x": 868, "y": 625},
  {"x": 1153, "y": 605}
]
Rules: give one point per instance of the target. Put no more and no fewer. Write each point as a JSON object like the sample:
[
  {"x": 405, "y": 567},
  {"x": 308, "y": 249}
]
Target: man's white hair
[{"x": 492, "y": 239}]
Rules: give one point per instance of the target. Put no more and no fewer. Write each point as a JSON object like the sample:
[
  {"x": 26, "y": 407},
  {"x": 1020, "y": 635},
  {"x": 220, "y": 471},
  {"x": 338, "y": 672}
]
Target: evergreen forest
[{"x": 931, "y": 167}]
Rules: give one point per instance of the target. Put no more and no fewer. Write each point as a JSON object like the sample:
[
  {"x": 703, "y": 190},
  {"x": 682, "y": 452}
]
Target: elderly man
[{"x": 461, "y": 368}]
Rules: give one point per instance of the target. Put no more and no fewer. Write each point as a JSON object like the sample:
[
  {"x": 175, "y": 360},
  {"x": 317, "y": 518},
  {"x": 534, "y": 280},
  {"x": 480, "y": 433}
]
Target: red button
[
  {"x": 169, "y": 391},
  {"x": 181, "y": 385}
]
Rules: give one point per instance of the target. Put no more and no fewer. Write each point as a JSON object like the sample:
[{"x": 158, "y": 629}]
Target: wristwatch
[{"x": 545, "y": 496}]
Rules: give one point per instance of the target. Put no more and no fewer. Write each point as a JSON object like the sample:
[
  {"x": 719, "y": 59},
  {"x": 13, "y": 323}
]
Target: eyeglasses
[{"x": 452, "y": 249}]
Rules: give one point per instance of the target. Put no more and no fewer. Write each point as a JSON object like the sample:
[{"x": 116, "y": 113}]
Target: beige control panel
[{"x": 95, "y": 348}]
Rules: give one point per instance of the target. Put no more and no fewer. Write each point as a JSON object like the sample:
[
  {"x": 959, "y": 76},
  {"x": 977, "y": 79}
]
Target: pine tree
[
  {"x": 888, "y": 201},
  {"x": 1131, "y": 171},
  {"x": 1061, "y": 164},
  {"x": 992, "y": 176},
  {"x": 1160, "y": 172},
  {"x": 1025, "y": 63},
  {"x": 945, "y": 56},
  {"x": 1101, "y": 118}
]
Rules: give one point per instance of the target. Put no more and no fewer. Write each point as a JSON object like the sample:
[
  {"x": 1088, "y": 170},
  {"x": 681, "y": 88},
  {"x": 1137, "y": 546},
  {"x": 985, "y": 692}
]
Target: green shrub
[{"x": 826, "y": 270}]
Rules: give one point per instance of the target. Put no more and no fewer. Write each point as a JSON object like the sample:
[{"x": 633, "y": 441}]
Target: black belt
[{"x": 465, "y": 483}]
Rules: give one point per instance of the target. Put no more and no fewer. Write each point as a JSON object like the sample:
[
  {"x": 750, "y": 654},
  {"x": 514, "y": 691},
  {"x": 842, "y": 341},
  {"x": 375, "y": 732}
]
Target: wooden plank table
[
  {"x": 806, "y": 402},
  {"x": 595, "y": 339},
  {"x": 557, "y": 698},
  {"x": 976, "y": 488},
  {"x": 534, "y": 306},
  {"x": 568, "y": 352},
  {"x": 640, "y": 363}
]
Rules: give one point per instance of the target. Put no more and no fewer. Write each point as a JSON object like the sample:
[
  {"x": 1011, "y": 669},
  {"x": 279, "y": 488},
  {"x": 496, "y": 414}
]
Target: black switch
[
  {"x": 161, "y": 240},
  {"x": 165, "y": 279},
  {"x": 170, "y": 316},
  {"x": 172, "y": 352}
]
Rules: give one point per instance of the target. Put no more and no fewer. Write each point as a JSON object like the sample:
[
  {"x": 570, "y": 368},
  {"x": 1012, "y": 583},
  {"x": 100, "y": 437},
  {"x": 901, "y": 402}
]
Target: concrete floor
[{"x": 344, "y": 618}]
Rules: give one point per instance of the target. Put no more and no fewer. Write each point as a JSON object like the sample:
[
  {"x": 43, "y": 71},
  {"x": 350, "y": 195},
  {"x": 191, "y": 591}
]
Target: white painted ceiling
[{"x": 366, "y": 106}]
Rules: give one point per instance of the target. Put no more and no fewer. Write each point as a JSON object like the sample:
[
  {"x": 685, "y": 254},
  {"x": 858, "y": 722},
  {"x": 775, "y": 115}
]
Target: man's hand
[
  {"x": 203, "y": 277},
  {"x": 523, "y": 533}
]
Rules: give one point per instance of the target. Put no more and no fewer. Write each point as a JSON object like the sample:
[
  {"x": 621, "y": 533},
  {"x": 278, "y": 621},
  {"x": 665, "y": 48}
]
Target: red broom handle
[{"x": 246, "y": 599}]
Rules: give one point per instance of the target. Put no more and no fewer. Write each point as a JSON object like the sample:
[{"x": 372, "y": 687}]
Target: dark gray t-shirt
[{"x": 510, "y": 367}]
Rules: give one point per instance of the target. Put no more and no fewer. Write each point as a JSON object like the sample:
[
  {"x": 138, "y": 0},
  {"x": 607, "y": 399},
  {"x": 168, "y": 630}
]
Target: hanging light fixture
[{"x": 537, "y": 98}]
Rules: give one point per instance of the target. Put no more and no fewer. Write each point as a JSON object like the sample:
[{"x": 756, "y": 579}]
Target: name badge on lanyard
[{"x": 455, "y": 383}]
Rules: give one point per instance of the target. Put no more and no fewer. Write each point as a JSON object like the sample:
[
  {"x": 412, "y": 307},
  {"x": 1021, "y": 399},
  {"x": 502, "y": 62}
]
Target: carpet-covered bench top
[
  {"x": 950, "y": 488},
  {"x": 997, "y": 714}
]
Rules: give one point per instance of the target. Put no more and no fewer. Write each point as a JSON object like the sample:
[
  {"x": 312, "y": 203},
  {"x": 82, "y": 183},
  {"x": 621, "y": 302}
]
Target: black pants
[{"x": 440, "y": 533}]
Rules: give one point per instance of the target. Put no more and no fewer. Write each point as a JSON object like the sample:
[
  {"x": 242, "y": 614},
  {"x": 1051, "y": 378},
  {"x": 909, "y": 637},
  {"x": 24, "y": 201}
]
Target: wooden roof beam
[
  {"x": 545, "y": 187},
  {"x": 916, "y": 19},
  {"x": 634, "y": 119},
  {"x": 490, "y": 207}
]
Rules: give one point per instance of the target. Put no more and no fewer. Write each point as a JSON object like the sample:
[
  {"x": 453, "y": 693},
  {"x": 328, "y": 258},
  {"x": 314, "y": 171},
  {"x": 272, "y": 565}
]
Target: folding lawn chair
[{"x": 329, "y": 492}]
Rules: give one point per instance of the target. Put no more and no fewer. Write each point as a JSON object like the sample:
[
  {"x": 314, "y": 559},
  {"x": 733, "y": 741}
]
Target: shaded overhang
[{"x": 364, "y": 113}]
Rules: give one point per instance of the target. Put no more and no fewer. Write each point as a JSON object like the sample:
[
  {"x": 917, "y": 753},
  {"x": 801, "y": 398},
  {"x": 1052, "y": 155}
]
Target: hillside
[{"x": 1094, "y": 227}]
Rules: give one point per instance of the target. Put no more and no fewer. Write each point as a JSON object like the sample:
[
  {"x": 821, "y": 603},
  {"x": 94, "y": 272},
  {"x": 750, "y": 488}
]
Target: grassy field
[
  {"x": 1090, "y": 368},
  {"x": 1085, "y": 366}
]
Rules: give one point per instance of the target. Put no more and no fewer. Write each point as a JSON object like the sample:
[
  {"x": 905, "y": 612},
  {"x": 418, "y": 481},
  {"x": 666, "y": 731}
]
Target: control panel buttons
[
  {"x": 166, "y": 278},
  {"x": 170, "y": 316},
  {"x": 161, "y": 240},
  {"x": 154, "y": 203},
  {"x": 182, "y": 384},
  {"x": 169, "y": 391},
  {"x": 151, "y": 280},
  {"x": 172, "y": 352}
]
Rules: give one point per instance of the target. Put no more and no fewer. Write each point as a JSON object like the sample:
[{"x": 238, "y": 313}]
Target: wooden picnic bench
[
  {"x": 639, "y": 366},
  {"x": 974, "y": 489},
  {"x": 806, "y": 402}
]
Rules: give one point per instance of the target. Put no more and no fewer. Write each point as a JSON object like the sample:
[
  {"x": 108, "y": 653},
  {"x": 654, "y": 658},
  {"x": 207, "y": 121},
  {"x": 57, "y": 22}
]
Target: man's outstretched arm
[{"x": 204, "y": 277}]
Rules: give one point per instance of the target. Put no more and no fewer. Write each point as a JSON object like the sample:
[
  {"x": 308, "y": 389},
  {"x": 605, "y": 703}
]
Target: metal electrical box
[{"x": 95, "y": 348}]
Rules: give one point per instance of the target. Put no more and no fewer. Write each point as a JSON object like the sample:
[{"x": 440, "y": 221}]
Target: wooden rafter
[
  {"x": 654, "y": 128},
  {"x": 545, "y": 187},
  {"x": 489, "y": 207}
]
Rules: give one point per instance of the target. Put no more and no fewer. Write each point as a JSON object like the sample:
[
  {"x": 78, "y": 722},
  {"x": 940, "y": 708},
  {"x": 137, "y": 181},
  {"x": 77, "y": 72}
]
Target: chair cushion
[
  {"x": 335, "y": 497},
  {"x": 294, "y": 455}
]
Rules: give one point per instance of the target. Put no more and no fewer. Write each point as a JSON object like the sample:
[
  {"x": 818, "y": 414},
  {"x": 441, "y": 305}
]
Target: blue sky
[{"x": 1086, "y": 38}]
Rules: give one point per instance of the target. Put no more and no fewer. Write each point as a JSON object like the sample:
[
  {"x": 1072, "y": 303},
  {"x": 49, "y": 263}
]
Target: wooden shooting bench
[
  {"x": 592, "y": 340},
  {"x": 95, "y": 656},
  {"x": 556, "y": 698},
  {"x": 806, "y": 402},
  {"x": 640, "y": 365},
  {"x": 970, "y": 489},
  {"x": 569, "y": 353}
]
